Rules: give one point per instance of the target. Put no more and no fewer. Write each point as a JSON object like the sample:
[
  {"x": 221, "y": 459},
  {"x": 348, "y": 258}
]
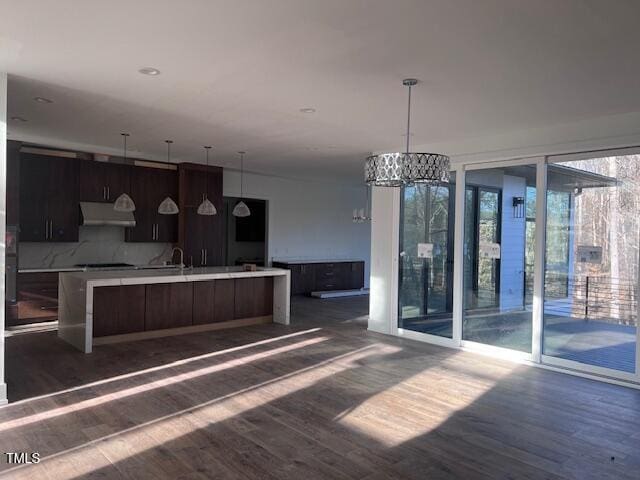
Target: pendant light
[
  {"x": 206, "y": 207},
  {"x": 241, "y": 209},
  {"x": 124, "y": 203},
  {"x": 408, "y": 168},
  {"x": 168, "y": 206}
]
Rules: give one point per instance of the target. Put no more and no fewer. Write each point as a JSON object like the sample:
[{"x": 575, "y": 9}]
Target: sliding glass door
[
  {"x": 495, "y": 249},
  {"x": 426, "y": 259},
  {"x": 591, "y": 272},
  {"x": 549, "y": 262}
]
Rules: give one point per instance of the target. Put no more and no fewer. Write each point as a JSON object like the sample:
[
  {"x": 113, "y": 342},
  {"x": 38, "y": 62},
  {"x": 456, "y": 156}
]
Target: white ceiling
[{"x": 236, "y": 73}]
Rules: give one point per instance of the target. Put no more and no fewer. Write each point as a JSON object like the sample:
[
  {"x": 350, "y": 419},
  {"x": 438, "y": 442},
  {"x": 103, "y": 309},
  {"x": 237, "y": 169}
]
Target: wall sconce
[{"x": 518, "y": 207}]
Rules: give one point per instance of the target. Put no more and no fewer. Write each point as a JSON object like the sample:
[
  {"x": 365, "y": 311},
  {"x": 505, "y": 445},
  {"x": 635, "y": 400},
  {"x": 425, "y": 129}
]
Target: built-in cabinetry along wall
[
  {"x": 200, "y": 236},
  {"x": 51, "y": 188}
]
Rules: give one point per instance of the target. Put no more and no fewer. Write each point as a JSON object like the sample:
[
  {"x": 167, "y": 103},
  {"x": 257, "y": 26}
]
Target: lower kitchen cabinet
[
  {"x": 204, "y": 297},
  {"x": 118, "y": 310},
  {"x": 168, "y": 305},
  {"x": 324, "y": 276},
  {"x": 224, "y": 305},
  {"x": 253, "y": 297}
]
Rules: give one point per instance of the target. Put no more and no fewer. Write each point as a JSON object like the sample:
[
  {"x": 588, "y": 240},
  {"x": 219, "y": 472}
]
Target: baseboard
[
  {"x": 169, "y": 332},
  {"x": 340, "y": 293}
]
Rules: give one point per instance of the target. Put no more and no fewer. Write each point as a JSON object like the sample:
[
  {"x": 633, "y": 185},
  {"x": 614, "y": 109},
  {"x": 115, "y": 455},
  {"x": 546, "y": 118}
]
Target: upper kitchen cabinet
[
  {"x": 49, "y": 209},
  {"x": 149, "y": 186},
  {"x": 200, "y": 236},
  {"x": 103, "y": 181}
]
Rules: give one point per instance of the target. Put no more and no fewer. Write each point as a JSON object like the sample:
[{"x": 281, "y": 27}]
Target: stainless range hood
[{"x": 96, "y": 214}]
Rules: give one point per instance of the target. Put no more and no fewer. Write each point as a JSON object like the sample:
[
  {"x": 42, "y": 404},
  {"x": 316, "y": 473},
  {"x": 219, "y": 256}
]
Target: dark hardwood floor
[{"x": 322, "y": 398}]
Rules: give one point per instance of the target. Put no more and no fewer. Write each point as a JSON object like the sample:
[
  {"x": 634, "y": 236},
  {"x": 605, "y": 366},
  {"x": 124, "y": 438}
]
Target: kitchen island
[{"x": 98, "y": 307}]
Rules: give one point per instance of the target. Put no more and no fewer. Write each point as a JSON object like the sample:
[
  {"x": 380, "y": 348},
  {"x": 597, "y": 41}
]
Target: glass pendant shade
[
  {"x": 207, "y": 208},
  {"x": 168, "y": 207},
  {"x": 241, "y": 210},
  {"x": 124, "y": 203}
]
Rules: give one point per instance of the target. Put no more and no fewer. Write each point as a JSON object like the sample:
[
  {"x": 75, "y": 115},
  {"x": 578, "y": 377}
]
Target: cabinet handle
[
  {"x": 104, "y": 192},
  {"x": 157, "y": 232},
  {"x": 46, "y": 229},
  {"x": 206, "y": 254},
  {"x": 108, "y": 193},
  {"x": 50, "y": 229}
]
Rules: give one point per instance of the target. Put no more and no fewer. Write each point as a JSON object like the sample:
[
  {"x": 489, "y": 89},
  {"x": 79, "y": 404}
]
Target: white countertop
[
  {"x": 83, "y": 269},
  {"x": 302, "y": 260},
  {"x": 175, "y": 275}
]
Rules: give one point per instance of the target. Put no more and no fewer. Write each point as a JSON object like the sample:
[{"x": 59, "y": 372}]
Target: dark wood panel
[
  {"x": 356, "y": 276},
  {"x": 13, "y": 182},
  {"x": 215, "y": 227},
  {"x": 62, "y": 199},
  {"x": 149, "y": 186},
  {"x": 201, "y": 237},
  {"x": 34, "y": 187},
  {"x": 117, "y": 180},
  {"x": 92, "y": 185},
  {"x": 253, "y": 297},
  {"x": 118, "y": 310},
  {"x": 168, "y": 305},
  {"x": 224, "y": 306},
  {"x": 204, "y": 302}
]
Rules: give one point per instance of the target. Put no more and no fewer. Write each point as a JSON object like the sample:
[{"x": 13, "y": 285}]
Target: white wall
[
  {"x": 3, "y": 221},
  {"x": 307, "y": 219}
]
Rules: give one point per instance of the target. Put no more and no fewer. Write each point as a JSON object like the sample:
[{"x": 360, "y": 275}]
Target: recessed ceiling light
[
  {"x": 308, "y": 110},
  {"x": 149, "y": 71},
  {"x": 18, "y": 119},
  {"x": 42, "y": 100}
]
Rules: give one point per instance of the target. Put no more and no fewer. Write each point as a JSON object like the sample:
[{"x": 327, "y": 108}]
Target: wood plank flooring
[{"x": 320, "y": 399}]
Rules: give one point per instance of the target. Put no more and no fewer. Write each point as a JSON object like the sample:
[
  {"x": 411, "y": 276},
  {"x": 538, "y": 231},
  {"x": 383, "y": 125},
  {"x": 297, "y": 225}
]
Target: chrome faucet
[{"x": 181, "y": 255}]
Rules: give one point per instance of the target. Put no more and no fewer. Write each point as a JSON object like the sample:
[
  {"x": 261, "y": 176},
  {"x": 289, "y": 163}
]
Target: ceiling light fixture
[
  {"x": 124, "y": 203},
  {"x": 149, "y": 71},
  {"x": 241, "y": 209},
  {"x": 168, "y": 206},
  {"x": 18, "y": 119},
  {"x": 206, "y": 207},
  {"x": 308, "y": 110},
  {"x": 398, "y": 169},
  {"x": 42, "y": 100}
]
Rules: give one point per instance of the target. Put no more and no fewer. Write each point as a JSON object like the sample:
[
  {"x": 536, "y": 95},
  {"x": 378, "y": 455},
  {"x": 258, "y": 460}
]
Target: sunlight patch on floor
[
  {"x": 123, "y": 445},
  {"x": 399, "y": 414}
]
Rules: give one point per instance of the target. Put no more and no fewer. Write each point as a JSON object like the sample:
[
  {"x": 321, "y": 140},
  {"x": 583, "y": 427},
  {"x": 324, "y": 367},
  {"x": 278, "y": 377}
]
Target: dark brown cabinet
[
  {"x": 168, "y": 305},
  {"x": 149, "y": 186},
  {"x": 103, "y": 181},
  {"x": 224, "y": 306},
  {"x": 49, "y": 210},
  {"x": 324, "y": 276},
  {"x": 118, "y": 310},
  {"x": 200, "y": 236},
  {"x": 253, "y": 297},
  {"x": 213, "y": 301}
]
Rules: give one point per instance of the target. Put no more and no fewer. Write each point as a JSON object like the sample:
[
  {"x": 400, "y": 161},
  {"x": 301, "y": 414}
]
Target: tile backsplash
[{"x": 96, "y": 245}]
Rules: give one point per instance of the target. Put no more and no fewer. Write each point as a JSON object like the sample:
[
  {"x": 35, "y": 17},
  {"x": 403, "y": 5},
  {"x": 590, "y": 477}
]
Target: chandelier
[{"x": 408, "y": 168}]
